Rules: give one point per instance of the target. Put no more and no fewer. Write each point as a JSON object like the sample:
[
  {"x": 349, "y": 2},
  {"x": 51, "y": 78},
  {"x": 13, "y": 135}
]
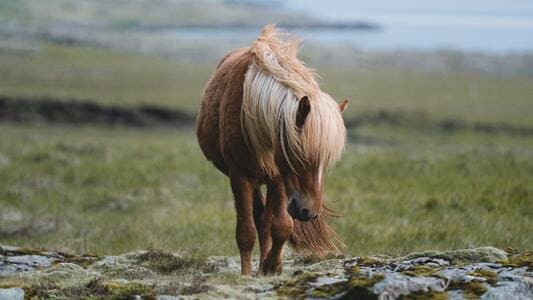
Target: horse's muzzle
[{"x": 298, "y": 212}]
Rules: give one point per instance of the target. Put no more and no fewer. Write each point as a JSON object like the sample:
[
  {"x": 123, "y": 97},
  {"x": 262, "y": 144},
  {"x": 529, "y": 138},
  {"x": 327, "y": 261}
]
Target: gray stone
[
  {"x": 13, "y": 264},
  {"x": 12, "y": 294},
  {"x": 395, "y": 285},
  {"x": 34, "y": 261},
  {"x": 522, "y": 290}
]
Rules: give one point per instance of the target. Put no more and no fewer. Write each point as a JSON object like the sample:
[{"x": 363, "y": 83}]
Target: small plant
[{"x": 166, "y": 262}]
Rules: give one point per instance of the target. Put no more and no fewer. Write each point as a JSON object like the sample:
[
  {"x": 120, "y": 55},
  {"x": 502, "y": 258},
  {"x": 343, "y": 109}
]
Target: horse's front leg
[
  {"x": 263, "y": 231},
  {"x": 280, "y": 225},
  {"x": 242, "y": 189}
]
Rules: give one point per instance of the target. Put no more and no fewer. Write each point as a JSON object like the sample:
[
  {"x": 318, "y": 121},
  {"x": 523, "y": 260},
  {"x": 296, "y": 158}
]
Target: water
[{"x": 471, "y": 26}]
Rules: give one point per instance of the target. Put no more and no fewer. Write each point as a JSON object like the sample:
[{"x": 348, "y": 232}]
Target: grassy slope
[
  {"x": 84, "y": 73},
  {"x": 122, "y": 189}
]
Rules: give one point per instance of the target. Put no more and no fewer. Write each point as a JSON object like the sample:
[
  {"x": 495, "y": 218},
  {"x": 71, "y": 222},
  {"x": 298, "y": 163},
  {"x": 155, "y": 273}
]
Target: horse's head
[
  {"x": 303, "y": 181},
  {"x": 304, "y": 192}
]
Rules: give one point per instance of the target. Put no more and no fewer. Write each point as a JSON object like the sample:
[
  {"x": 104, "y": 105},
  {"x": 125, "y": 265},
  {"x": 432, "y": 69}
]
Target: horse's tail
[{"x": 316, "y": 237}]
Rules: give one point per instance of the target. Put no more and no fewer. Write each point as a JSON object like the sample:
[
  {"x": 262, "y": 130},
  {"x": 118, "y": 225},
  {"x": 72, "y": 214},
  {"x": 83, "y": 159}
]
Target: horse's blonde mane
[{"x": 275, "y": 82}]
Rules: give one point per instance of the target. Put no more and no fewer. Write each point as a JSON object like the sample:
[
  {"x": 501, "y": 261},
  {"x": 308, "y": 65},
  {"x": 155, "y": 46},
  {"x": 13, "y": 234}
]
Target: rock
[
  {"x": 12, "y": 294},
  {"x": 395, "y": 285},
  {"x": 487, "y": 272},
  {"x": 520, "y": 290},
  {"x": 13, "y": 264},
  {"x": 481, "y": 254}
]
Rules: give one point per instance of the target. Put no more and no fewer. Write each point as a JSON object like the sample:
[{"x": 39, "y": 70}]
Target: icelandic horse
[{"x": 264, "y": 121}]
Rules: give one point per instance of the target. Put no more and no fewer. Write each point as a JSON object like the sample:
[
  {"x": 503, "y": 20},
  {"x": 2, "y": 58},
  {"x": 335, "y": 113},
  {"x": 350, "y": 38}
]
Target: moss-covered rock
[
  {"x": 165, "y": 262},
  {"x": 465, "y": 256},
  {"x": 471, "y": 289},
  {"x": 468, "y": 273},
  {"x": 490, "y": 276},
  {"x": 420, "y": 270},
  {"x": 519, "y": 259}
]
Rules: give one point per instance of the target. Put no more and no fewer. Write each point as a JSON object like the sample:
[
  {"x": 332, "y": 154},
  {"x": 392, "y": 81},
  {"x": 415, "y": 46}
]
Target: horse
[{"x": 263, "y": 120}]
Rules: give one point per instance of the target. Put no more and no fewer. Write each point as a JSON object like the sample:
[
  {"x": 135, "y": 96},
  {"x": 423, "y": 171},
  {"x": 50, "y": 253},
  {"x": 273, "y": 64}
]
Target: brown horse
[{"x": 264, "y": 121}]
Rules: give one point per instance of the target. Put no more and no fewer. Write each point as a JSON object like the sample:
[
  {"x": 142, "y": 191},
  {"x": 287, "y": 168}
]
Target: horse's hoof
[{"x": 270, "y": 270}]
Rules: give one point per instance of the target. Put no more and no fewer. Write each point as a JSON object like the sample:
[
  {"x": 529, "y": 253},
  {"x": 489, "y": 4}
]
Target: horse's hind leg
[
  {"x": 245, "y": 232},
  {"x": 279, "y": 224},
  {"x": 265, "y": 240}
]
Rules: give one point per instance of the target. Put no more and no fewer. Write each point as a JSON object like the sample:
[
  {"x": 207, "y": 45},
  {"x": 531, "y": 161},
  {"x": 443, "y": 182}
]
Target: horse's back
[{"x": 218, "y": 123}]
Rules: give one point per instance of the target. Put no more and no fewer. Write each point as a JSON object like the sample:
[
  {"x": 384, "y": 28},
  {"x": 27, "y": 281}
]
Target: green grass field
[
  {"x": 113, "y": 78},
  {"x": 401, "y": 189}
]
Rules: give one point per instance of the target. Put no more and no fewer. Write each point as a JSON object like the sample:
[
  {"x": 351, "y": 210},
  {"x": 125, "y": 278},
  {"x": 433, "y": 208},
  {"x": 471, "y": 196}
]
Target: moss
[
  {"x": 368, "y": 261},
  {"x": 306, "y": 259},
  {"x": 358, "y": 286},
  {"x": 291, "y": 292},
  {"x": 10, "y": 284},
  {"x": 420, "y": 270},
  {"x": 472, "y": 289},
  {"x": 329, "y": 290},
  {"x": 296, "y": 288},
  {"x": 197, "y": 286},
  {"x": 95, "y": 289},
  {"x": 511, "y": 250},
  {"x": 40, "y": 291},
  {"x": 84, "y": 260},
  {"x": 425, "y": 296},
  {"x": 165, "y": 262},
  {"x": 304, "y": 277},
  {"x": 352, "y": 270},
  {"x": 115, "y": 290},
  {"x": 490, "y": 276},
  {"x": 466, "y": 256},
  {"x": 129, "y": 290},
  {"x": 363, "y": 281},
  {"x": 520, "y": 259}
]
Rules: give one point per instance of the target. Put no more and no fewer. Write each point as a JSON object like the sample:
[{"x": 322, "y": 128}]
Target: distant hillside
[{"x": 146, "y": 13}]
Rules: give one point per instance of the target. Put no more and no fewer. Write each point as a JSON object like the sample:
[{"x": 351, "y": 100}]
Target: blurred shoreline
[{"x": 188, "y": 31}]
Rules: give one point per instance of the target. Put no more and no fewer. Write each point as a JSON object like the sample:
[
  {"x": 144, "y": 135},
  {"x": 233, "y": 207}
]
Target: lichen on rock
[{"x": 485, "y": 272}]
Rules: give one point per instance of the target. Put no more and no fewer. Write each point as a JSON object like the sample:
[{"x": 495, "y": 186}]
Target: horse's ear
[
  {"x": 303, "y": 110},
  {"x": 343, "y": 105}
]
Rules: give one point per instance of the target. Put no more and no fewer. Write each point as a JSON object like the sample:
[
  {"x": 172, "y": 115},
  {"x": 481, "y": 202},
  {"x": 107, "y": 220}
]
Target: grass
[
  {"x": 102, "y": 76},
  {"x": 454, "y": 95},
  {"x": 110, "y": 191},
  {"x": 115, "y": 78},
  {"x": 400, "y": 188}
]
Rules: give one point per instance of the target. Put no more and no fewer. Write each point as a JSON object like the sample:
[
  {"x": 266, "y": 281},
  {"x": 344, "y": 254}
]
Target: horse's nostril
[{"x": 293, "y": 208}]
